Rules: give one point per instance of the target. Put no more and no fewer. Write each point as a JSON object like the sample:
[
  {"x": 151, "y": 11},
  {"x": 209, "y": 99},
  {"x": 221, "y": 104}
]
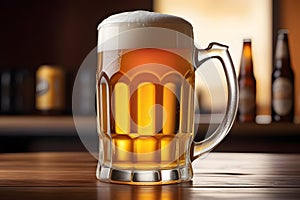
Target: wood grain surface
[{"x": 216, "y": 176}]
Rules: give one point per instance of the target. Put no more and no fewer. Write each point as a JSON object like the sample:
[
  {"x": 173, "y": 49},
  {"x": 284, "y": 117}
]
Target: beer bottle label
[
  {"x": 282, "y": 96},
  {"x": 247, "y": 100},
  {"x": 42, "y": 87}
]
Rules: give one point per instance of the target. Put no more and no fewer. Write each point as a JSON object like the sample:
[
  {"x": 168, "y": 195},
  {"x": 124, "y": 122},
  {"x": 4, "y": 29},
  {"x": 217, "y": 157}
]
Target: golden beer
[{"x": 145, "y": 108}]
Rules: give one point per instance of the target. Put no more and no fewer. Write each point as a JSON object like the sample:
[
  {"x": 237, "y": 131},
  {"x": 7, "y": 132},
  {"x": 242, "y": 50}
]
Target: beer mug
[{"x": 145, "y": 98}]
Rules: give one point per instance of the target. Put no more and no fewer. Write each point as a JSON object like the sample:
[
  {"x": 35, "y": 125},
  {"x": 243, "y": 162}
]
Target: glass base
[{"x": 144, "y": 177}]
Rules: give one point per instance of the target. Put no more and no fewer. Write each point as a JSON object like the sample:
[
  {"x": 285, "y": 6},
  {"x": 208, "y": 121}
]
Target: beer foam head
[
  {"x": 143, "y": 18},
  {"x": 139, "y": 29}
]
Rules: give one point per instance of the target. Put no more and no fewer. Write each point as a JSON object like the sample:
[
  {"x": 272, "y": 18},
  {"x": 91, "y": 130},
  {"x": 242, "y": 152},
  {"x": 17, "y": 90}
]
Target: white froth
[
  {"x": 144, "y": 29},
  {"x": 143, "y": 18}
]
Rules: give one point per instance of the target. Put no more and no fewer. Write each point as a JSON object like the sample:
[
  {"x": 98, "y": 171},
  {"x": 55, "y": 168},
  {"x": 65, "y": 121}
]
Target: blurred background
[{"x": 39, "y": 38}]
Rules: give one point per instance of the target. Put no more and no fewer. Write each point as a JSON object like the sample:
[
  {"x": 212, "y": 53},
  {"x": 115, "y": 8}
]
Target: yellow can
[{"x": 50, "y": 89}]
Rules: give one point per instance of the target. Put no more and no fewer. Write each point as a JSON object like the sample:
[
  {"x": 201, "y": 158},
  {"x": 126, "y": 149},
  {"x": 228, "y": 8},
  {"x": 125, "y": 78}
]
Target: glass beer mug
[{"x": 145, "y": 98}]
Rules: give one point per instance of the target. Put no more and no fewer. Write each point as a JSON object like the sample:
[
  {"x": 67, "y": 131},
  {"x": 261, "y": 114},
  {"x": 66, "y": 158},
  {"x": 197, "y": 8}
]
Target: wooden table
[{"x": 218, "y": 175}]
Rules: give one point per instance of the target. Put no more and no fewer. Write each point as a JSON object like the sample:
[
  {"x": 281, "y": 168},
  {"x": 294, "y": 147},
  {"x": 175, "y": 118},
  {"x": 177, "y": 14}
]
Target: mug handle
[{"x": 220, "y": 52}]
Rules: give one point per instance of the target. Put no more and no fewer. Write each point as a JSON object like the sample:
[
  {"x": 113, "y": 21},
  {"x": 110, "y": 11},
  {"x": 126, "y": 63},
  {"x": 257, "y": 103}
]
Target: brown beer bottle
[
  {"x": 282, "y": 81},
  {"x": 247, "y": 86}
]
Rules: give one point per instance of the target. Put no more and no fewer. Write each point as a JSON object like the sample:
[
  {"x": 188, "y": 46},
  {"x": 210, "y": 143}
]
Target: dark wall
[
  {"x": 62, "y": 32},
  {"x": 36, "y": 32}
]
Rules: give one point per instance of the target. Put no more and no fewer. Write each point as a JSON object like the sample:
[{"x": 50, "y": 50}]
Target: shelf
[
  {"x": 64, "y": 125},
  {"x": 58, "y": 133},
  {"x": 37, "y": 126},
  {"x": 259, "y": 130},
  {"x": 264, "y": 130}
]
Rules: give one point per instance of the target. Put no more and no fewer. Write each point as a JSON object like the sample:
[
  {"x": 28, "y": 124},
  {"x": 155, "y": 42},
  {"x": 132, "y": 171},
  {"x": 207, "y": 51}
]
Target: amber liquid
[{"x": 145, "y": 108}]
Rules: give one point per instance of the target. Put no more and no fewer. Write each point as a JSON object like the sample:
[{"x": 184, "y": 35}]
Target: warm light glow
[
  {"x": 146, "y": 111},
  {"x": 229, "y": 22},
  {"x": 122, "y": 115}
]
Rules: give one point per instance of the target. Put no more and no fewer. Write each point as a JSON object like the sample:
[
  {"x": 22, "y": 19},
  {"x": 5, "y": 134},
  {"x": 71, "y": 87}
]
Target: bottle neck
[
  {"x": 282, "y": 53},
  {"x": 246, "y": 60}
]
